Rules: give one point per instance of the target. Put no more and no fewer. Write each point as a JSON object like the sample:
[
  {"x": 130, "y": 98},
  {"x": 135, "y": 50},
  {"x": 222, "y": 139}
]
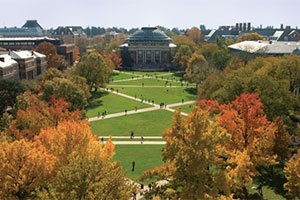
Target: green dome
[{"x": 148, "y": 35}]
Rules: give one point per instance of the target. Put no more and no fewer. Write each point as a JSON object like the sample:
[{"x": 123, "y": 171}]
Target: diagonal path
[
  {"x": 156, "y": 107},
  {"x": 137, "y": 142}
]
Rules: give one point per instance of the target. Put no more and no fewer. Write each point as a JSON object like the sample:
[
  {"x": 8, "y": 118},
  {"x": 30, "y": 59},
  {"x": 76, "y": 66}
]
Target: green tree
[
  {"x": 93, "y": 68},
  {"x": 9, "y": 90},
  {"x": 64, "y": 88},
  {"x": 183, "y": 53}
]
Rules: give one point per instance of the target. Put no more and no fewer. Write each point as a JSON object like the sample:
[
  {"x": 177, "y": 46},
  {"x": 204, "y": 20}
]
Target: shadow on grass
[
  {"x": 272, "y": 177},
  {"x": 95, "y": 101},
  {"x": 192, "y": 91}
]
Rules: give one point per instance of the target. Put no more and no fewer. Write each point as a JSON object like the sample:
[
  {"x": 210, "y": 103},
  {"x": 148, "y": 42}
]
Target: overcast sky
[{"x": 138, "y": 13}]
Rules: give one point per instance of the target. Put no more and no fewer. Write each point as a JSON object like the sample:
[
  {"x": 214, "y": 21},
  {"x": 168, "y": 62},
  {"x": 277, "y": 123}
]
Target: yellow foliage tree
[
  {"x": 23, "y": 169},
  {"x": 194, "y": 152},
  {"x": 84, "y": 170},
  {"x": 249, "y": 37},
  {"x": 292, "y": 174}
]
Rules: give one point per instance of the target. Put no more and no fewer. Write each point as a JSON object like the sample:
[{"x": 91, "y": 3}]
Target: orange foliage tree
[
  {"x": 49, "y": 50},
  {"x": 195, "y": 35},
  {"x": 84, "y": 170},
  {"x": 252, "y": 136},
  {"x": 40, "y": 115},
  {"x": 23, "y": 169}
]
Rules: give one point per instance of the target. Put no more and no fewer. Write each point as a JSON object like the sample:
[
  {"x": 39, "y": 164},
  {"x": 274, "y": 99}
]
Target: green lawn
[
  {"x": 145, "y": 157},
  {"x": 120, "y": 76},
  {"x": 147, "y": 82},
  {"x": 177, "y": 76},
  {"x": 112, "y": 103},
  {"x": 151, "y": 123},
  {"x": 149, "y": 73},
  {"x": 185, "y": 108},
  {"x": 166, "y": 95}
]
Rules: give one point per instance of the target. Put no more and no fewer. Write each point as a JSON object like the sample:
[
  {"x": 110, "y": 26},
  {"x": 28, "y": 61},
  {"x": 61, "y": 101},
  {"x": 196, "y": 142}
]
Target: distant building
[
  {"x": 72, "y": 32},
  {"x": 30, "y": 43},
  {"x": 233, "y": 32},
  {"x": 8, "y": 68},
  {"x": 30, "y": 29},
  {"x": 15, "y": 65},
  {"x": 266, "y": 47},
  {"x": 149, "y": 50}
]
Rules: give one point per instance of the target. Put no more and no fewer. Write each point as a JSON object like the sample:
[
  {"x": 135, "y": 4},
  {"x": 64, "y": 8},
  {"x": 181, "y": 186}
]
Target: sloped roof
[
  {"x": 21, "y": 54},
  {"x": 8, "y": 61},
  {"x": 148, "y": 34},
  {"x": 266, "y": 47},
  {"x": 32, "y": 24}
]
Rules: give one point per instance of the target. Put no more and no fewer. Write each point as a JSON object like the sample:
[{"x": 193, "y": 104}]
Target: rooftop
[
  {"x": 267, "y": 47},
  {"x": 21, "y": 54},
  {"x": 148, "y": 34},
  {"x": 8, "y": 61}
]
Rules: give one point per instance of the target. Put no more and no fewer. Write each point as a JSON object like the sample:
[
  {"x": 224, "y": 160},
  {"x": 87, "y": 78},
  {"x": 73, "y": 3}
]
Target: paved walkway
[
  {"x": 152, "y": 86},
  {"x": 128, "y": 137},
  {"x": 130, "y": 112},
  {"x": 137, "y": 142}
]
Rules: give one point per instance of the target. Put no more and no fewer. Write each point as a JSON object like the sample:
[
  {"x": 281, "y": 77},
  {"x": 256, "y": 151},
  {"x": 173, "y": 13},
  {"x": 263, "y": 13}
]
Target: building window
[
  {"x": 140, "y": 57},
  {"x": 148, "y": 57},
  {"x": 157, "y": 56}
]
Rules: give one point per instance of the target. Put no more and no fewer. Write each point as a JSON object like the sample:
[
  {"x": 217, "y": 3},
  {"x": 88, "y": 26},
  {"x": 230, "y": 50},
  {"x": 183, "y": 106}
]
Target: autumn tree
[
  {"x": 24, "y": 168},
  {"x": 252, "y": 137},
  {"x": 193, "y": 155},
  {"x": 76, "y": 54},
  {"x": 249, "y": 37},
  {"x": 182, "y": 56},
  {"x": 84, "y": 170},
  {"x": 195, "y": 35},
  {"x": 183, "y": 40},
  {"x": 197, "y": 69},
  {"x": 48, "y": 49},
  {"x": 94, "y": 69},
  {"x": 283, "y": 140},
  {"x": 40, "y": 115},
  {"x": 292, "y": 174}
]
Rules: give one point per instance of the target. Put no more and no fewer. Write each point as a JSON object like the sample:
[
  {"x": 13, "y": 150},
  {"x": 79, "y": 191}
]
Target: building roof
[
  {"x": 25, "y": 38},
  {"x": 21, "y": 54},
  {"x": 8, "y": 61},
  {"x": 267, "y": 47},
  {"x": 21, "y": 32},
  {"x": 148, "y": 35},
  {"x": 32, "y": 24},
  {"x": 38, "y": 55}
]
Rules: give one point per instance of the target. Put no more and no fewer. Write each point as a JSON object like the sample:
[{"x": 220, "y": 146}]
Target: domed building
[{"x": 148, "y": 49}]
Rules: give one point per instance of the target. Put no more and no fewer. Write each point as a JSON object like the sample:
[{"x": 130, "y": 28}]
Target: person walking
[
  {"x": 133, "y": 166},
  {"x": 142, "y": 189},
  {"x": 102, "y": 140},
  {"x": 135, "y": 108},
  {"x": 98, "y": 114},
  {"x": 125, "y": 112},
  {"x": 131, "y": 135},
  {"x": 142, "y": 139}
]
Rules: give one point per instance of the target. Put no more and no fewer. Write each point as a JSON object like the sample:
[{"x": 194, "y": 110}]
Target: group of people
[
  {"x": 132, "y": 136},
  {"x": 103, "y": 114},
  {"x": 162, "y": 105}
]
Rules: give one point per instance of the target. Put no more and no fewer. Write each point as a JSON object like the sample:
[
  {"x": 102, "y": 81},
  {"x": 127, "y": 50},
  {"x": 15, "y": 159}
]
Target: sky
[{"x": 138, "y": 13}]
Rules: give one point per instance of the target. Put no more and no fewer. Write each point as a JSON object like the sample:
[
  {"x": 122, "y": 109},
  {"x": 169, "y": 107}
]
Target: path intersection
[{"x": 143, "y": 110}]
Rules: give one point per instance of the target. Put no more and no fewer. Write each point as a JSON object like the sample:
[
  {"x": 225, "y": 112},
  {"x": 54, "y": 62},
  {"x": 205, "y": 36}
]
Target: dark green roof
[{"x": 149, "y": 35}]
